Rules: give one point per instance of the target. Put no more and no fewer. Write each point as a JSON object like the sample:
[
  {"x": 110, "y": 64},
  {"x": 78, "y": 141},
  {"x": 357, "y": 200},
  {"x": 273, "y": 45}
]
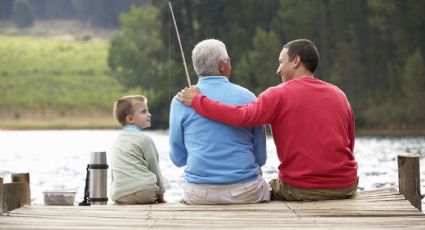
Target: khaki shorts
[
  {"x": 250, "y": 192},
  {"x": 148, "y": 196},
  {"x": 283, "y": 191}
]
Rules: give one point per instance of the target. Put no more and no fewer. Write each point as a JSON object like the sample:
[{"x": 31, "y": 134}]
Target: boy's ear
[{"x": 129, "y": 119}]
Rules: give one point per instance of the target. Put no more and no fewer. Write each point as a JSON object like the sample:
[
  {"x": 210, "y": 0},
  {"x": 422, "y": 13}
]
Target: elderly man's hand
[{"x": 186, "y": 95}]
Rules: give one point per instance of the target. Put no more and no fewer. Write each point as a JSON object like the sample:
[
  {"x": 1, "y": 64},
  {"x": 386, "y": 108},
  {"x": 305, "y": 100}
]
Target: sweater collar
[
  {"x": 131, "y": 128},
  {"x": 213, "y": 78}
]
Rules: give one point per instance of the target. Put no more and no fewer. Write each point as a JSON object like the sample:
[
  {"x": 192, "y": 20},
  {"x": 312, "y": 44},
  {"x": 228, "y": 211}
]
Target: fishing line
[
  {"x": 180, "y": 44},
  {"x": 169, "y": 58}
]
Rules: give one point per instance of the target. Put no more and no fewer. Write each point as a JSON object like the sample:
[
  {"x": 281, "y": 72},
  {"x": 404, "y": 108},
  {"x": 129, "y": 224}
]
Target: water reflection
[{"x": 59, "y": 159}]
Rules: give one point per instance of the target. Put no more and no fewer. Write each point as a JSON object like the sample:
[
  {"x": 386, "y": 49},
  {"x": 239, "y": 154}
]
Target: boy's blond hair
[{"x": 125, "y": 106}]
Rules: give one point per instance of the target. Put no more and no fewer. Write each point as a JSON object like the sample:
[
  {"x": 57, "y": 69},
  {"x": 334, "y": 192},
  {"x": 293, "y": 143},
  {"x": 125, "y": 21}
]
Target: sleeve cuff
[{"x": 196, "y": 100}]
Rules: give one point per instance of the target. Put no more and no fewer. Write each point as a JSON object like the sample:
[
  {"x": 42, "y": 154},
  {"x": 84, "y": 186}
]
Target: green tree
[
  {"x": 136, "y": 55},
  {"x": 6, "y": 10},
  {"x": 307, "y": 19},
  {"x": 348, "y": 69},
  {"x": 199, "y": 20},
  {"x": 413, "y": 89},
  {"x": 105, "y": 13},
  {"x": 257, "y": 67},
  {"x": 138, "y": 59},
  {"x": 395, "y": 31},
  {"x": 23, "y": 14}
]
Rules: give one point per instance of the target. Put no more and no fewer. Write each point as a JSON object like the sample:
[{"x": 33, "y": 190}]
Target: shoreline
[
  {"x": 109, "y": 123},
  {"x": 389, "y": 132},
  {"x": 59, "y": 124}
]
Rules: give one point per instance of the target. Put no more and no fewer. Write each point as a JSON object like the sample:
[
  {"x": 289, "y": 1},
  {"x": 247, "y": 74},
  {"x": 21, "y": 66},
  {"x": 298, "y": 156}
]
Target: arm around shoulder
[{"x": 258, "y": 112}]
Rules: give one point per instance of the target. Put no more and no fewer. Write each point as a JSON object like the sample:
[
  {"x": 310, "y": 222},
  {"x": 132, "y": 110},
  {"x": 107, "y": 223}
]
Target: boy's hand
[{"x": 161, "y": 198}]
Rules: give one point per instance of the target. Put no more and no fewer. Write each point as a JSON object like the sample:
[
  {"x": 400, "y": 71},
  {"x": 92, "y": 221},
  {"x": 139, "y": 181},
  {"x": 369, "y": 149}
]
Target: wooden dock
[{"x": 377, "y": 209}]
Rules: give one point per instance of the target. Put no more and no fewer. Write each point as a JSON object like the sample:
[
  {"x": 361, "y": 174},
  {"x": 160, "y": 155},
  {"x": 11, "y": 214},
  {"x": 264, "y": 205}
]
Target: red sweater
[{"x": 312, "y": 125}]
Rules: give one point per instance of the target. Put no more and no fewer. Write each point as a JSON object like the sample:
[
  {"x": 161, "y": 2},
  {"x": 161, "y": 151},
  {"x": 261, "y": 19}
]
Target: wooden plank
[
  {"x": 409, "y": 179},
  {"x": 23, "y": 177},
  {"x": 360, "y": 223},
  {"x": 101, "y": 220},
  {"x": 1, "y": 195},
  {"x": 365, "y": 211}
]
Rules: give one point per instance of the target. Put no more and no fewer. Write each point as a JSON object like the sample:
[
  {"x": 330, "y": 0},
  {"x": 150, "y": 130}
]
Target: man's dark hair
[{"x": 307, "y": 52}]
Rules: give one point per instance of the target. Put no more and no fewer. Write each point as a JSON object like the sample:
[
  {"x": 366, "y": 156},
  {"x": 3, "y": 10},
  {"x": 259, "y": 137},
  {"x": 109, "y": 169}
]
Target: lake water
[{"x": 58, "y": 159}]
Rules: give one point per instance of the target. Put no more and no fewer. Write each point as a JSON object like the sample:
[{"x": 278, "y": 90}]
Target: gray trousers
[{"x": 249, "y": 192}]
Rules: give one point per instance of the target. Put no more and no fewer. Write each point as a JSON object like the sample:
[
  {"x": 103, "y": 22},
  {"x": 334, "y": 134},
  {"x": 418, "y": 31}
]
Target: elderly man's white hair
[{"x": 206, "y": 55}]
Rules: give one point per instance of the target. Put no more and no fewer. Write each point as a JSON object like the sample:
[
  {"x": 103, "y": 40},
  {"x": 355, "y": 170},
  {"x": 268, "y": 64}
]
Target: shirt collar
[
  {"x": 213, "y": 78},
  {"x": 131, "y": 128}
]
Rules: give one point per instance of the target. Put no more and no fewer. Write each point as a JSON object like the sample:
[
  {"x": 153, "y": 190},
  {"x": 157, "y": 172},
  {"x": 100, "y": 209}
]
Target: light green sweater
[{"x": 134, "y": 164}]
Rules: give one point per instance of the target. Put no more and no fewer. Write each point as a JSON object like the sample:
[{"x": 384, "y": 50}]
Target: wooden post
[
  {"x": 14, "y": 195},
  {"x": 23, "y": 177},
  {"x": 1, "y": 196},
  {"x": 409, "y": 179}
]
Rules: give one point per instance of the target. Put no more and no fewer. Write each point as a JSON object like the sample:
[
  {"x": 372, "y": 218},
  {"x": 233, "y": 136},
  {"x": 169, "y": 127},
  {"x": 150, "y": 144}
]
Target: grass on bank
[
  {"x": 105, "y": 122},
  {"x": 59, "y": 124},
  {"x": 61, "y": 76}
]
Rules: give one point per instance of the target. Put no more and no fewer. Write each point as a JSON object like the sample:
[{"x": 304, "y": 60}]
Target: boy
[{"x": 136, "y": 177}]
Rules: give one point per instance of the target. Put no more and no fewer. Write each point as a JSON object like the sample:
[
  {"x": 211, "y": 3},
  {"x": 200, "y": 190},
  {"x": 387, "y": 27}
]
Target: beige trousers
[
  {"x": 284, "y": 191},
  {"x": 249, "y": 192},
  {"x": 148, "y": 196}
]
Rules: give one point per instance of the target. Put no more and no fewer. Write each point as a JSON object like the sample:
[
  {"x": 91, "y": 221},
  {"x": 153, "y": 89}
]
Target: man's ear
[
  {"x": 129, "y": 119},
  {"x": 297, "y": 61},
  {"x": 220, "y": 66}
]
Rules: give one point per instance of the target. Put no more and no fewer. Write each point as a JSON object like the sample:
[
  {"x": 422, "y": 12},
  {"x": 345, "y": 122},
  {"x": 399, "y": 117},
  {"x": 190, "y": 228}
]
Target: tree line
[
  {"x": 372, "y": 49},
  {"x": 101, "y": 13}
]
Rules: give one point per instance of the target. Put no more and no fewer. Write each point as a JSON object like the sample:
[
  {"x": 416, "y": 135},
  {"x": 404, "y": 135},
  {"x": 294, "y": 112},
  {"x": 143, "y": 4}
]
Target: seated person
[
  {"x": 136, "y": 177},
  {"x": 222, "y": 162}
]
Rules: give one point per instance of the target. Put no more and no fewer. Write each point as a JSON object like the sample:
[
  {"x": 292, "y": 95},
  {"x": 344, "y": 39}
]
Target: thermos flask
[{"x": 98, "y": 178}]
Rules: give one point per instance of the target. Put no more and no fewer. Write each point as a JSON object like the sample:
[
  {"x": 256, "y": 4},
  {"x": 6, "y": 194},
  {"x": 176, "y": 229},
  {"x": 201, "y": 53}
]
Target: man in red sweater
[{"x": 312, "y": 125}]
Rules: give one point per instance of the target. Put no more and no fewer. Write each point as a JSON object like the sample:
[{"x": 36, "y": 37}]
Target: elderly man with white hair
[{"x": 223, "y": 163}]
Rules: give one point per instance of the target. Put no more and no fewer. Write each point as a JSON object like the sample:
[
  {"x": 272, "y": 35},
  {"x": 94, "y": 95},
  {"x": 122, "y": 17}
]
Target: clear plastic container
[{"x": 59, "y": 197}]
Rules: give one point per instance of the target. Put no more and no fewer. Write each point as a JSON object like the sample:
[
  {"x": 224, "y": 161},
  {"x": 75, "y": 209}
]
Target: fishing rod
[{"x": 181, "y": 48}]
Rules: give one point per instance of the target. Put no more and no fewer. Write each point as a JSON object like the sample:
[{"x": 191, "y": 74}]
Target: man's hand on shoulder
[{"x": 186, "y": 95}]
